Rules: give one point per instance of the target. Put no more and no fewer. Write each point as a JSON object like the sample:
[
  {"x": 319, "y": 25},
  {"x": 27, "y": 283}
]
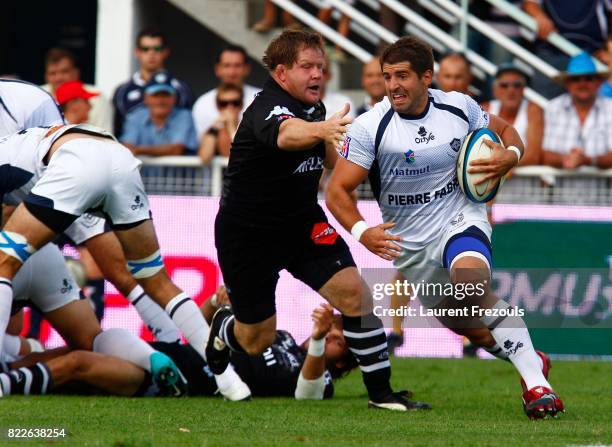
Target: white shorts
[
  {"x": 85, "y": 227},
  {"x": 44, "y": 281},
  {"x": 90, "y": 174},
  {"x": 432, "y": 263}
]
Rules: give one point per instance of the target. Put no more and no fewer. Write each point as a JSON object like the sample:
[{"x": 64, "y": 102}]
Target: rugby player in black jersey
[{"x": 269, "y": 220}]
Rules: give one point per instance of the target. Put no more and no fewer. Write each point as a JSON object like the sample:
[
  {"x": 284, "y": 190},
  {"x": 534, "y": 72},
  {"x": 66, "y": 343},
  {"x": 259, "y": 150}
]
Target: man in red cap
[{"x": 74, "y": 101}]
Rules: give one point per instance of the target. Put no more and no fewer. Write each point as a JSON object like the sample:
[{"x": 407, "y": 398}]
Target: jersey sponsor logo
[
  {"x": 323, "y": 234},
  {"x": 345, "y": 147},
  {"x": 423, "y": 136},
  {"x": 281, "y": 113},
  {"x": 66, "y": 286},
  {"x": 422, "y": 198},
  {"x": 455, "y": 144},
  {"x": 310, "y": 164},
  {"x": 409, "y": 156},
  {"x": 409, "y": 172},
  {"x": 137, "y": 203}
]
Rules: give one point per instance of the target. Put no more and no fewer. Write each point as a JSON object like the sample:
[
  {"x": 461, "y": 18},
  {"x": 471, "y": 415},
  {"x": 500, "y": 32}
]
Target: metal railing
[{"x": 186, "y": 175}]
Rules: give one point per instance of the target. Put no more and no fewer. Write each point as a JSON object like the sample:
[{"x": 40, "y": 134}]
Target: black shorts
[{"x": 251, "y": 259}]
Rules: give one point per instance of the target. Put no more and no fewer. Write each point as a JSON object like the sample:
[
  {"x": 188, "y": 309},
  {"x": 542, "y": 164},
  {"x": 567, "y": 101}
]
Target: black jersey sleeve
[{"x": 268, "y": 115}]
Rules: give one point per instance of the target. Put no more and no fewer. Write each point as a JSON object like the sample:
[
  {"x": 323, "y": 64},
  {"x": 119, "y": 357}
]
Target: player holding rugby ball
[{"x": 408, "y": 145}]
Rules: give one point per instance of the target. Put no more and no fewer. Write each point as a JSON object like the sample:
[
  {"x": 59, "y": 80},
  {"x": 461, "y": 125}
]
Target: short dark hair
[
  {"x": 409, "y": 49},
  {"x": 284, "y": 49},
  {"x": 233, "y": 49},
  {"x": 230, "y": 88},
  {"x": 54, "y": 55},
  {"x": 151, "y": 32}
]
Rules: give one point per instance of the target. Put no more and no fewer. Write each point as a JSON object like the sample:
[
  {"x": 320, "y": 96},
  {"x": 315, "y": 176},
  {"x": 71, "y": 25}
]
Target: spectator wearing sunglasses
[
  {"x": 151, "y": 53},
  {"x": 578, "y": 124},
  {"x": 218, "y": 138},
  {"x": 510, "y": 104},
  {"x": 232, "y": 67},
  {"x": 158, "y": 127}
]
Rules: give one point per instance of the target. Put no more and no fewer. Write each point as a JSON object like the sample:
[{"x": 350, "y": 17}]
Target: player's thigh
[
  {"x": 45, "y": 281},
  {"x": 250, "y": 263},
  {"x": 24, "y": 223},
  {"x": 138, "y": 241},
  {"x": 77, "y": 324},
  {"x": 107, "y": 253}
]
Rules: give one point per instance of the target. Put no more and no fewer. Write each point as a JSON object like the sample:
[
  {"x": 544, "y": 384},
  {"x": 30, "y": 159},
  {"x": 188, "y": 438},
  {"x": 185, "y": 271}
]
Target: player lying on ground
[
  {"x": 430, "y": 226},
  {"x": 285, "y": 369},
  {"x": 26, "y": 106},
  {"x": 66, "y": 171}
]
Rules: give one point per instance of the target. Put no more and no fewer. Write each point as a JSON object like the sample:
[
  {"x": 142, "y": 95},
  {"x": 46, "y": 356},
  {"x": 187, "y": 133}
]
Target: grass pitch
[{"x": 475, "y": 402}]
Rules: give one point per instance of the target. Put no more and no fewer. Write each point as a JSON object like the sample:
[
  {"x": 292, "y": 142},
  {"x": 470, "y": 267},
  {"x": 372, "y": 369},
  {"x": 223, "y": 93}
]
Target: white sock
[
  {"x": 513, "y": 337},
  {"x": 6, "y": 299},
  {"x": 11, "y": 346},
  {"x": 158, "y": 321},
  {"x": 187, "y": 316},
  {"x": 123, "y": 344}
]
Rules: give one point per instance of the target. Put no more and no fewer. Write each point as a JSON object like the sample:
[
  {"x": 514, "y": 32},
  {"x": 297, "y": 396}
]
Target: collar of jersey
[{"x": 421, "y": 115}]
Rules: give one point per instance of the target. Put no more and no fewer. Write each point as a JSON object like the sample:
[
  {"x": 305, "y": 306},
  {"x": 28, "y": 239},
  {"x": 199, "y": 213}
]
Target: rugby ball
[{"x": 473, "y": 148}]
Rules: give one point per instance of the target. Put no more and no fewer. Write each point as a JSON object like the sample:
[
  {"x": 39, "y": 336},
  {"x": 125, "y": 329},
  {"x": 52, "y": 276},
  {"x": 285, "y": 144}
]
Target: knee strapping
[
  {"x": 16, "y": 245},
  {"x": 146, "y": 267}
]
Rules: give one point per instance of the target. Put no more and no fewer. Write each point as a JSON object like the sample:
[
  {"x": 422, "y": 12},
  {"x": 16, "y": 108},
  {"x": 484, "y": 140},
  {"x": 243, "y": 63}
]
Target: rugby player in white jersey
[
  {"x": 408, "y": 145},
  {"x": 24, "y": 105},
  {"x": 66, "y": 171}
]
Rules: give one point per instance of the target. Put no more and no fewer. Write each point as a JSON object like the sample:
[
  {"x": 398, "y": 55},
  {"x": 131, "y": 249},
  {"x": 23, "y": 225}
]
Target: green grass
[{"x": 475, "y": 403}]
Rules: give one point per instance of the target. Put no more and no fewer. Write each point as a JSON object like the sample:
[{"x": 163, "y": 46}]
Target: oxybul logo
[{"x": 423, "y": 137}]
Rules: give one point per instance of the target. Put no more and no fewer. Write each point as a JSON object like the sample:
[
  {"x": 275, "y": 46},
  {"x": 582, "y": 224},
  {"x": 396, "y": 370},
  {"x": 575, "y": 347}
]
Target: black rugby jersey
[
  {"x": 275, "y": 372},
  {"x": 264, "y": 184}
]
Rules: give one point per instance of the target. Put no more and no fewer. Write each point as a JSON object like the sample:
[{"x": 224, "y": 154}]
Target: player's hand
[
  {"x": 222, "y": 296},
  {"x": 336, "y": 126},
  {"x": 494, "y": 167},
  {"x": 323, "y": 318},
  {"x": 380, "y": 242}
]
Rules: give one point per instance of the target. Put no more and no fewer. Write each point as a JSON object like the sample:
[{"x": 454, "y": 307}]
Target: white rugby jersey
[
  {"x": 22, "y": 154},
  {"x": 24, "y": 105},
  {"x": 412, "y": 163}
]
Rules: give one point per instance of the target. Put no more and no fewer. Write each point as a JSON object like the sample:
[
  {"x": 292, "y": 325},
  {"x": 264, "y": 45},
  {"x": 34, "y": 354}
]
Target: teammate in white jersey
[
  {"x": 408, "y": 145},
  {"x": 68, "y": 170}
]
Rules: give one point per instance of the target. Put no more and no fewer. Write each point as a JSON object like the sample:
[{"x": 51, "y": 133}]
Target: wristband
[
  {"x": 213, "y": 301},
  {"x": 358, "y": 229},
  {"x": 516, "y": 150},
  {"x": 316, "y": 348}
]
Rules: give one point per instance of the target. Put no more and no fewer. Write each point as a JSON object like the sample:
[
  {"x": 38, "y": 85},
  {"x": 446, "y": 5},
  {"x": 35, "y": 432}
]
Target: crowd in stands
[{"x": 156, "y": 114}]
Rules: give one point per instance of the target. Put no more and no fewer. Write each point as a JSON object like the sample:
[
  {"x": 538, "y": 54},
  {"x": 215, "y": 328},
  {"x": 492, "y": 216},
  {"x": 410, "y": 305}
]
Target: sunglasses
[
  {"x": 587, "y": 78},
  {"x": 514, "y": 84},
  {"x": 156, "y": 48},
  {"x": 222, "y": 104}
]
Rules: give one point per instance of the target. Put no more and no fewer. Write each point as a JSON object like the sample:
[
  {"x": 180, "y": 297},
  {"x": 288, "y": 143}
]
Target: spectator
[
  {"x": 511, "y": 105},
  {"x": 578, "y": 124},
  {"x": 455, "y": 74},
  {"x": 60, "y": 67},
  {"x": 74, "y": 100},
  {"x": 606, "y": 88},
  {"x": 333, "y": 101},
  {"x": 584, "y": 23},
  {"x": 270, "y": 17},
  {"x": 232, "y": 67},
  {"x": 373, "y": 83},
  {"x": 218, "y": 138},
  {"x": 158, "y": 127},
  {"x": 151, "y": 52}
]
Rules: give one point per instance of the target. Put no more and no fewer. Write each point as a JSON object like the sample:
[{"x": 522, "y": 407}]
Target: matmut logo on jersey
[{"x": 281, "y": 113}]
